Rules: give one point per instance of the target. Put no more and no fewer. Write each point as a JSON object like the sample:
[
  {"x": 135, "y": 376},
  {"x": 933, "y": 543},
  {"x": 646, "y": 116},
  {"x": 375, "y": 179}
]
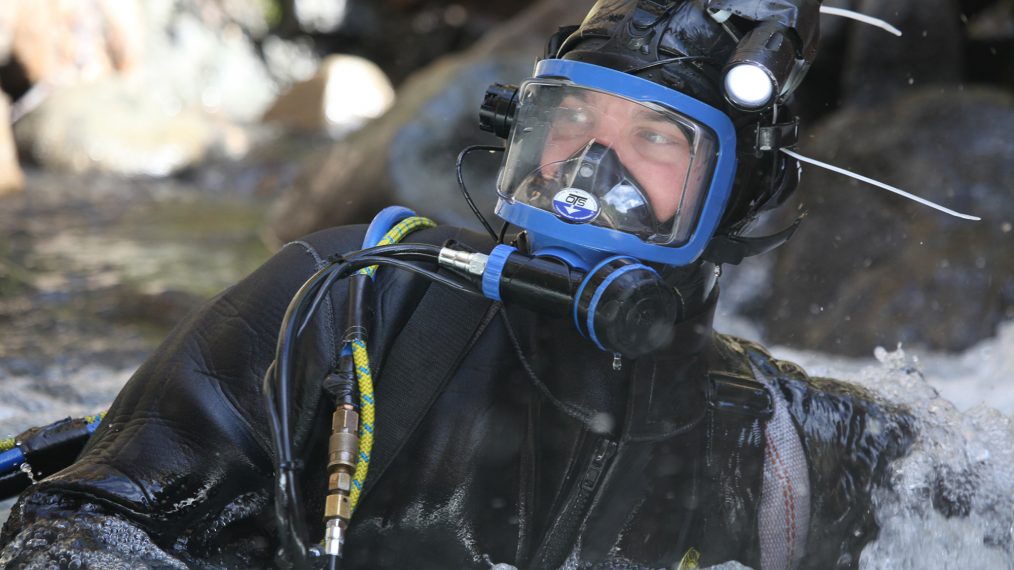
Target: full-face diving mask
[
  {"x": 606, "y": 172},
  {"x": 601, "y": 162}
]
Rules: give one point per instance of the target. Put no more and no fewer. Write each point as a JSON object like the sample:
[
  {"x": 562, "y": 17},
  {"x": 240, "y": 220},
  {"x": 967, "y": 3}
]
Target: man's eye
[
  {"x": 575, "y": 116},
  {"x": 656, "y": 137},
  {"x": 571, "y": 122}
]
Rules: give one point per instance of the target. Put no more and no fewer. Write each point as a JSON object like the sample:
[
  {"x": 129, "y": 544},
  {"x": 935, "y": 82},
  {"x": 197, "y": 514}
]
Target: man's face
[{"x": 651, "y": 146}]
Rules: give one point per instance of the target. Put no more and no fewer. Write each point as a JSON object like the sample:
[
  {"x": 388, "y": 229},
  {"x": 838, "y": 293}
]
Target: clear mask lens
[{"x": 593, "y": 157}]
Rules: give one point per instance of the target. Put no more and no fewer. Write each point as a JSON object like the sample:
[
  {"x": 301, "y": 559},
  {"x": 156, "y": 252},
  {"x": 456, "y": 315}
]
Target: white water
[{"x": 962, "y": 460}]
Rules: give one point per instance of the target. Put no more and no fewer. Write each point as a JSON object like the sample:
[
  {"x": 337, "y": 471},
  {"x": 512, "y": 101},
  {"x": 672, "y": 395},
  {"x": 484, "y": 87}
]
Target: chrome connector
[
  {"x": 334, "y": 538},
  {"x": 472, "y": 263}
]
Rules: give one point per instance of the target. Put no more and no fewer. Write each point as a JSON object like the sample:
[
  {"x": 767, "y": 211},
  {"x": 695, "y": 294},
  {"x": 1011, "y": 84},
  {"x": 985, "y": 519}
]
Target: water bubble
[
  {"x": 602, "y": 423},
  {"x": 34, "y": 543}
]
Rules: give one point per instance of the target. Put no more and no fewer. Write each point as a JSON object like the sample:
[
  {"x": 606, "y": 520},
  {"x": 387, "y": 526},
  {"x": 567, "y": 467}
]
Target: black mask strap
[{"x": 733, "y": 249}]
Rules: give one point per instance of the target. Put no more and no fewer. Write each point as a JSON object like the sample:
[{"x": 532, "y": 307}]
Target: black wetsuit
[{"x": 566, "y": 462}]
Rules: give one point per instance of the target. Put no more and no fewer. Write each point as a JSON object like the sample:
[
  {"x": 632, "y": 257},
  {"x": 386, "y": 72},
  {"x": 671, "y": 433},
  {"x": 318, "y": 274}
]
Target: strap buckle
[
  {"x": 740, "y": 396},
  {"x": 770, "y": 138}
]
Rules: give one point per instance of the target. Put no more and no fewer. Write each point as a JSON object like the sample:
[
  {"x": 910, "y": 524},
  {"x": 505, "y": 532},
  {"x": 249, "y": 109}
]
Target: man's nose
[
  {"x": 607, "y": 137},
  {"x": 613, "y": 140}
]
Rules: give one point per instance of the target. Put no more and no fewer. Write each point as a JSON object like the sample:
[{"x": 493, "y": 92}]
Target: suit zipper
[{"x": 560, "y": 538}]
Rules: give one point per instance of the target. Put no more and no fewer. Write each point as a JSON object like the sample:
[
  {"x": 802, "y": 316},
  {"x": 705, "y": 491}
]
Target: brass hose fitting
[{"x": 343, "y": 449}]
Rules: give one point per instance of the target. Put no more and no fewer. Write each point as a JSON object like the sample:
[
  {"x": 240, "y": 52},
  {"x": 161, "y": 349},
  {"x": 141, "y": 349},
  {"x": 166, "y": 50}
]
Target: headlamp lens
[{"x": 748, "y": 86}]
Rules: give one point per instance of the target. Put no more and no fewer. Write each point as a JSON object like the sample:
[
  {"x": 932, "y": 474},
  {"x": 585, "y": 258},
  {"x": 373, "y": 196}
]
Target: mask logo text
[{"x": 575, "y": 205}]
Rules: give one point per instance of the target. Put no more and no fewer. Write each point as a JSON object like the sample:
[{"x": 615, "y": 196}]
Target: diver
[{"x": 552, "y": 396}]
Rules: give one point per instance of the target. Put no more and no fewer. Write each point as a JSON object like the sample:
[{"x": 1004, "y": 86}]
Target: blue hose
[
  {"x": 12, "y": 459},
  {"x": 384, "y": 221}
]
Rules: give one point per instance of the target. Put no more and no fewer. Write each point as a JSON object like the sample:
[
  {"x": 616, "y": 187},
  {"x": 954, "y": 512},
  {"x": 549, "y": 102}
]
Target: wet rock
[
  {"x": 879, "y": 65},
  {"x": 60, "y": 42},
  {"x": 11, "y": 178},
  {"x": 944, "y": 42},
  {"x": 8, "y": 15},
  {"x": 991, "y": 43},
  {"x": 289, "y": 61},
  {"x": 400, "y": 36},
  {"x": 953, "y": 493},
  {"x": 868, "y": 267},
  {"x": 197, "y": 56},
  {"x": 114, "y": 125},
  {"x": 346, "y": 92},
  {"x": 319, "y": 15},
  {"x": 407, "y": 156},
  {"x": 136, "y": 88},
  {"x": 88, "y": 541},
  {"x": 993, "y": 23}
]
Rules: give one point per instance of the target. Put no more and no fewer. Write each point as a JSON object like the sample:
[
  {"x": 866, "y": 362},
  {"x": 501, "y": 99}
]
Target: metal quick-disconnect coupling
[
  {"x": 471, "y": 263},
  {"x": 343, "y": 447}
]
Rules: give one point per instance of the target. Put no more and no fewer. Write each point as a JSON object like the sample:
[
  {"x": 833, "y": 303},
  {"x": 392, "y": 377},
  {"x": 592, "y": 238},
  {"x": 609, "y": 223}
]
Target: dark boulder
[
  {"x": 407, "y": 155},
  {"x": 870, "y": 268},
  {"x": 878, "y": 65}
]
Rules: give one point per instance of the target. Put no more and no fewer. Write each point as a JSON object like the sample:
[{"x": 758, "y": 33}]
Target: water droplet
[
  {"x": 602, "y": 423},
  {"x": 27, "y": 470}
]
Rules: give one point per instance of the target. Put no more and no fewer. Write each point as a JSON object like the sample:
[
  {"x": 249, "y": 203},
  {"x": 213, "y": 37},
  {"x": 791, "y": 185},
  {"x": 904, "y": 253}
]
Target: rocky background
[
  {"x": 157, "y": 150},
  {"x": 146, "y": 143}
]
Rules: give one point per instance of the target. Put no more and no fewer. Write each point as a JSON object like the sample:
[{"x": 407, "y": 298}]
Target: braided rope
[
  {"x": 367, "y": 415},
  {"x": 361, "y": 359},
  {"x": 397, "y": 233}
]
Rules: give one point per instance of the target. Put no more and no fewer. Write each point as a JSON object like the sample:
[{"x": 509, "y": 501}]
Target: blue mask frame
[{"x": 583, "y": 245}]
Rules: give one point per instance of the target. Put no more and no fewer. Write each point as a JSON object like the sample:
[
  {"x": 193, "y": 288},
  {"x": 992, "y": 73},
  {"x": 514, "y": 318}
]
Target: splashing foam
[{"x": 950, "y": 502}]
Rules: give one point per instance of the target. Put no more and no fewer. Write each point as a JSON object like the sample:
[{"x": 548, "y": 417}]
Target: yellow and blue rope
[
  {"x": 361, "y": 359},
  {"x": 398, "y": 233},
  {"x": 367, "y": 415}
]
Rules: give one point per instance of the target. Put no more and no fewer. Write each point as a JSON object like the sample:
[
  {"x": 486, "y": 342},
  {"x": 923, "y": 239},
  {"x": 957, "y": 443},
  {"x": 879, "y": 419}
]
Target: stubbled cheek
[{"x": 664, "y": 188}]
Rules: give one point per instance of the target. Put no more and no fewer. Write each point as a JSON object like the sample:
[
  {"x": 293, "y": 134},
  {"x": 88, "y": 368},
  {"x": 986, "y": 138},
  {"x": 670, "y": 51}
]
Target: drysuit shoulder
[
  {"x": 849, "y": 437},
  {"x": 184, "y": 453}
]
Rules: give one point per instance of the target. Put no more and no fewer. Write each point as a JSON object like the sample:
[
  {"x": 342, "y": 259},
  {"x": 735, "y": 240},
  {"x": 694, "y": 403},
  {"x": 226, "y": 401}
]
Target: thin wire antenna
[
  {"x": 879, "y": 184},
  {"x": 875, "y": 22}
]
